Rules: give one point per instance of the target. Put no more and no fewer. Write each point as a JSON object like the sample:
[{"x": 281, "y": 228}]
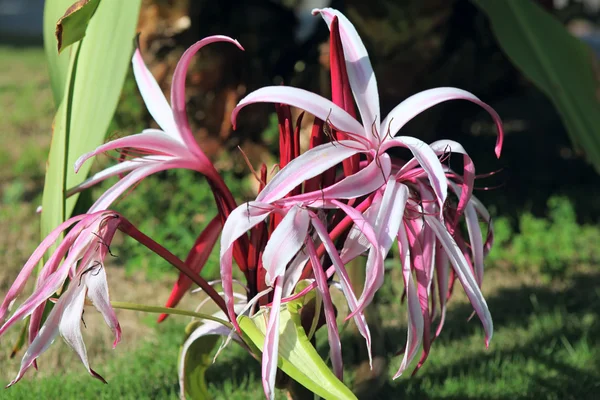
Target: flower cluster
[{"x": 345, "y": 197}]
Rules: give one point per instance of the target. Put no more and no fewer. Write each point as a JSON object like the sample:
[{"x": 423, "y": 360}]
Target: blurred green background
[{"x": 542, "y": 280}]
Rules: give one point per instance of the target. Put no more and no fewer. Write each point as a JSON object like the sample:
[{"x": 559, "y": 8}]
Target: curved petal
[
  {"x": 415, "y": 318},
  {"x": 240, "y": 221},
  {"x": 365, "y": 181},
  {"x": 333, "y": 335},
  {"x": 155, "y": 100},
  {"x": 178, "y": 91},
  {"x": 338, "y": 264},
  {"x": 312, "y": 163},
  {"x": 318, "y": 106},
  {"x": 34, "y": 259},
  {"x": 115, "y": 170},
  {"x": 286, "y": 240},
  {"x": 360, "y": 72},
  {"x": 468, "y": 183},
  {"x": 428, "y": 161},
  {"x": 150, "y": 140},
  {"x": 98, "y": 293},
  {"x": 463, "y": 271},
  {"x": 420, "y": 102},
  {"x": 270, "y": 351}
]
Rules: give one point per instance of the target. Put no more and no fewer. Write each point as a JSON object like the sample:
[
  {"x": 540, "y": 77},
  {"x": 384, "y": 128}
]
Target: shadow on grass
[
  {"x": 550, "y": 361},
  {"x": 544, "y": 347}
]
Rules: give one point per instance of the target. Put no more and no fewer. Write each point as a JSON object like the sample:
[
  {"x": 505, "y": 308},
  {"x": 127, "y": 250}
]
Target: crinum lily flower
[
  {"x": 85, "y": 247},
  {"x": 156, "y": 150}
]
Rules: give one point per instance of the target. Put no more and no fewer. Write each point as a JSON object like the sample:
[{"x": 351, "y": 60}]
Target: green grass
[{"x": 544, "y": 346}]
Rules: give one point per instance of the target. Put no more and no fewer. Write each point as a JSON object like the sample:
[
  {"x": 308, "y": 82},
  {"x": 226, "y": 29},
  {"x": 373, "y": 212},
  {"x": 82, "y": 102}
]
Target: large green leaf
[
  {"x": 104, "y": 57},
  {"x": 57, "y": 64},
  {"x": 88, "y": 100},
  {"x": 560, "y": 65},
  {"x": 297, "y": 356},
  {"x": 71, "y": 27}
]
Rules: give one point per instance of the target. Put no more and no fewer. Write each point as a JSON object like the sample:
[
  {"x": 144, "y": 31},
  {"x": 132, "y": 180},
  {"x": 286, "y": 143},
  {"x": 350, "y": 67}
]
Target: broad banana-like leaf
[
  {"x": 560, "y": 65},
  {"x": 71, "y": 27},
  {"x": 92, "y": 86},
  {"x": 297, "y": 356}
]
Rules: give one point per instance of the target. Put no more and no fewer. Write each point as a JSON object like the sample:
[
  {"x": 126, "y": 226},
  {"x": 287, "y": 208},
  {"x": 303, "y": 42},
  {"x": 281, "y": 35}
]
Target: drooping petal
[
  {"x": 286, "y": 240},
  {"x": 178, "y": 91},
  {"x": 271, "y": 346},
  {"x": 196, "y": 260},
  {"x": 318, "y": 106},
  {"x": 338, "y": 264},
  {"x": 97, "y": 286},
  {"x": 34, "y": 259},
  {"x": 360, "y": 72},
  {"x": 415, "y": 318},
  {"x": 312, "y": 163},
  {"x": 333, "y": 335},
  {"x": 240, "y": 221},
  {"x": 476, "y": 241},
  {"x": 155, "y": 100},
  {"x": 420, "y": 102},
  {"x": 374, "y": 277},
  {"x": 463, "y": 271},
  {"x": 428, "y": 161},
  {"x": 442, "y": 269}
]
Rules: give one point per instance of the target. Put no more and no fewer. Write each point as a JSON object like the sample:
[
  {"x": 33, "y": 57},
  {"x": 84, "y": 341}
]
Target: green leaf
[
  {"x": 560, "y": 65},
  {"x": 71, "y": 27},
  {"x": 92, "y": 87},
  {"x": 104, "y": 58},
  {"x": 58, "y": 65},
  {"x": 297, "y": 356}
]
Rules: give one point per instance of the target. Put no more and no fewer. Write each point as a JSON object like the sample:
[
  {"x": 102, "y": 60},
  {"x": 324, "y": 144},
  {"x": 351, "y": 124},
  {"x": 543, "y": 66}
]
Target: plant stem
[{"x": 167, "y": 310}]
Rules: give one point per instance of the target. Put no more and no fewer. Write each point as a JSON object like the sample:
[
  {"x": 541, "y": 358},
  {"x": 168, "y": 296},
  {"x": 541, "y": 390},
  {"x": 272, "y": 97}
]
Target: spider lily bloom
[
  {"x": 172, "y": 147},
  {"x": 85, "y": 246}
]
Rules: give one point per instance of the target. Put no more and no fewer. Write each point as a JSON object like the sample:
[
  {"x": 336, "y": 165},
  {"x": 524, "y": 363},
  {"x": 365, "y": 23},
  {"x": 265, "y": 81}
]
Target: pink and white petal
[
  {"x": 32, "y": 262},
  {"x": 360, "y": 72},
  {"x": 70, "y": 322},
  {"x": 485, "y": 215},
  {"x": 293, "y": 273},
  {"x": 417, "y": 103},
  {"x": 312, "y": 163},
  {"x": 464, "y": 274},
  {"x": 375, "y": 271},
  {"x": 476, "y": 241},
  {"x": 415, "y": 318},
  {"x": 428, "y": 161},
  {"x": 150, "y": 140},
  {"x": 356, "y": 243},
  {"x": 340, "y": 269},
  {"x": 240, "y": 221},
  {"x": 442, "y": 146},
  {"x": 286, "y": 240},
  {"x": 271, "y": 346},
  {"x": 442, "y": 269},
  {"x": 153, "y": 96},
  {"x": 178, "y": 91},
  {"x": 108, "y": 197},
  {"x": 312, "y": 103},
  {"x": 97, "y": 286},
  {"x": 365, "y": 181},
  {"x": 333, "y": 335}
]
